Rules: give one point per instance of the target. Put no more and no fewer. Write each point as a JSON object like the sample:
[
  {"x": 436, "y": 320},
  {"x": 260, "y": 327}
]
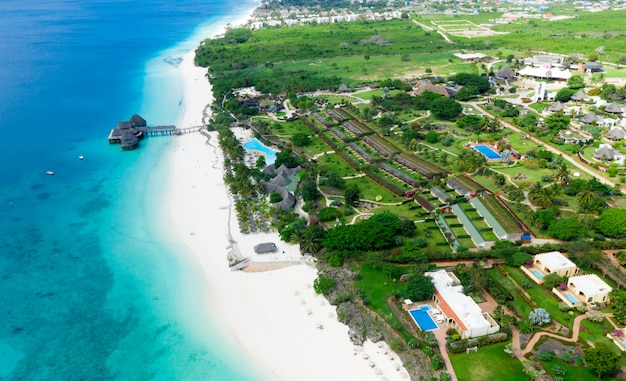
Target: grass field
[{"x": 487, "y": 364}]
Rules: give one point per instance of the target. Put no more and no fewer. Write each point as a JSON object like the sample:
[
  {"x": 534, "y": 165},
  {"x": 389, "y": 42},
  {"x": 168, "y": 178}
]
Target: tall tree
[{"x": 602, "y": 360}]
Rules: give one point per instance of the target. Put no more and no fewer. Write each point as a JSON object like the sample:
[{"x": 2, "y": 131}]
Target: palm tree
[
  {"x": 562, "y": 173},
  {"x": 543, "y": 199},
  {"x": 586, "y": 197}
]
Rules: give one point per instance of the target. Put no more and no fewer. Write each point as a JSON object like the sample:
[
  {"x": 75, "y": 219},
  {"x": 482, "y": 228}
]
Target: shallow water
[{"x": 87, "y": 269}]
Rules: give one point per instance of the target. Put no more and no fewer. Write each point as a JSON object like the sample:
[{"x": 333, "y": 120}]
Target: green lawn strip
[
  {"x": 369, "y": 190},
  {"x": 287, "y": 129},
  {"x": 543, "y": 297},
  {"x": 520, "y": 144},
  {"x": 334, "y": 163},
  {"x": 377, "y": 287},
  {"x": 489, "y": 363},
  {"x": 431, "y": 232},
  {"x": 521, "y": 307}
]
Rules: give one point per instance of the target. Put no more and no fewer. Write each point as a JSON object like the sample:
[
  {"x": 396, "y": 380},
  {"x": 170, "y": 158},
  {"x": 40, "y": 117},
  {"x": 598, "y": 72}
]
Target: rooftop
[
  {"x": 554, "y": 260},
  {"x": 591, "y": 283},
  {"x": 455, "y": 304}
]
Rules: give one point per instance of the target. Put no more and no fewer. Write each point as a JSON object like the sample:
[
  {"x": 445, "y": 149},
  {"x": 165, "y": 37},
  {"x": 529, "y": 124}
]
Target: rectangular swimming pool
[
  {"x": 487, "y": 151},
  {"x": 538, "y": 274},
  {"x": 423, "y": 320},
  {"x": 571, "y": 299}
]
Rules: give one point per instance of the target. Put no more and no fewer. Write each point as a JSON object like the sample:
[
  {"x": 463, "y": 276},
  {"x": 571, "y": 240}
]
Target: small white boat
[
  {"x": 81, "y": 157},
  {"x": 49, "y": 173}
]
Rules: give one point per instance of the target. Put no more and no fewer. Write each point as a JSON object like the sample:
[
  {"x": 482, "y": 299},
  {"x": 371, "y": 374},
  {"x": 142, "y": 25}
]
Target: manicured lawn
[
  {"x": 488, "y": 364},
  {"x": 334, "y": 162},
  {"x": 369, "y": 190},
  {"x": 377, "y": 287},
  {"x": 543, "y": 297}
]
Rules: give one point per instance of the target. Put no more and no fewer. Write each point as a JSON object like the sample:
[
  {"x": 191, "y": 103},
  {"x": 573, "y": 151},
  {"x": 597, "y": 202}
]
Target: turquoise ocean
[{"x": 90, "y": 279}]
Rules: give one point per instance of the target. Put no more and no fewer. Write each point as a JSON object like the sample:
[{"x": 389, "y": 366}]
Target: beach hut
[{"x": 266, "y": 247}]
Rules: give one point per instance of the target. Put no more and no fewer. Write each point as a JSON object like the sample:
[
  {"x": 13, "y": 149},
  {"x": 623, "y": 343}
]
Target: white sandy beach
[{"x": 274, "y": 317}]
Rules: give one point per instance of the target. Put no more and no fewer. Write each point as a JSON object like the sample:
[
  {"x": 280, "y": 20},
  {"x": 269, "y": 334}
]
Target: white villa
[
  {"x": 459, "y": 310},
  {"x": 550, "y": 263},
  {"x": 584, "y": 289}
]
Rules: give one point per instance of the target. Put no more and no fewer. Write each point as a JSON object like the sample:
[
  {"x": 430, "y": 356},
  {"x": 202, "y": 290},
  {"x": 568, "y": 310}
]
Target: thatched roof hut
[
  {"x": 613, "y": 108},
  {"x": 129, "y": 140},
  {"x": 506, "y": 73},
  {"x": 266, "y": 247},
  {"x": 556, "y": 107},
  {"x": 579, "y": 96},
  {"x": 590, "y": 118},
  {"x": 605, "y": 152},
  {"x": 428, "y": 86},
  {"x": 616, "y": 133},
  {"x": 137, "y": 121}
]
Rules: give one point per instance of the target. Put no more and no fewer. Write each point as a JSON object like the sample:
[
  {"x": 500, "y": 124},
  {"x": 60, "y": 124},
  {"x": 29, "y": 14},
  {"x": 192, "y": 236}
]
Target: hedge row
[{"x": 461, "y": 346}]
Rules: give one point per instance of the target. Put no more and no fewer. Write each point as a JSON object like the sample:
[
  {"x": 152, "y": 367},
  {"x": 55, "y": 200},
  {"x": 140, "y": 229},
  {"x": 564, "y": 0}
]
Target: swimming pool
[
  {"x": 487, "y": 151},
  {"x": 571, "y": 298},
  {"x": 423, "y": 319},
  {"x": 255, "y": 145},
  {"x": 538, "y": 274}
]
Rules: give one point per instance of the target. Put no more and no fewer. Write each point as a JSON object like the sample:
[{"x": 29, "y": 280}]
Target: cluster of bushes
[{"x": 460, "y": 346}]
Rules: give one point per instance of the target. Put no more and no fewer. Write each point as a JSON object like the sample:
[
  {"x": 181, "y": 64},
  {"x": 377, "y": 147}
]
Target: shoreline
[{"x": 271, "y": 318}]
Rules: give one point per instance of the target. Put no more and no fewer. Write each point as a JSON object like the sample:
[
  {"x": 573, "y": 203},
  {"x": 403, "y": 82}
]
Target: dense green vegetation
[{"x": 373, "y": 212}]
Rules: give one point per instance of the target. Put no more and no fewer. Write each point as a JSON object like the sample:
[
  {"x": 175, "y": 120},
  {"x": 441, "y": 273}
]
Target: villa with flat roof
[
  {"x": 460, "y": 311},
  {"x": 550, "y": 263},
  {"x": 584, "y": 289}
]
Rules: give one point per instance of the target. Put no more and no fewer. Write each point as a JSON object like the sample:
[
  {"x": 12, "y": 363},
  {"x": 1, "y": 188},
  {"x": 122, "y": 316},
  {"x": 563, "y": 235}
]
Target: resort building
[
  {"x": 550, "y": 263},
  {"x": 545, "y": 72},
  {"x": 606, "y": 152},
  {"x": 584, "y": 289},
  {"x": 459, "y": 310}
]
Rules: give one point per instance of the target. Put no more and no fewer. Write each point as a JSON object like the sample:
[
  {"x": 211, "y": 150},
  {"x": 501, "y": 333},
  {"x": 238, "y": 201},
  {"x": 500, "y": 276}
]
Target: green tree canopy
[
  {"x": 375, "y": 233},
  {"x": 566, "y": 229},
  {"x": 576, "y": 82},
  {"x": 612, "y": 223},
  {"x": 445, "y": 108},
  {"x": 601, "y": 359},
  {"x": 300, "y": 139},
  {"x": 474, "y": 80},
  {"x": 419, "y": 287}
]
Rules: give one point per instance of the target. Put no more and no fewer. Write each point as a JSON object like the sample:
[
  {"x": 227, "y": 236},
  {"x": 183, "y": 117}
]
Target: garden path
[{"x": 573, "y": 339}]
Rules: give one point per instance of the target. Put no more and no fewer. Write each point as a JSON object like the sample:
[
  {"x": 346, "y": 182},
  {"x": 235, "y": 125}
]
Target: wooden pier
[{"x": 128, "y": 133}]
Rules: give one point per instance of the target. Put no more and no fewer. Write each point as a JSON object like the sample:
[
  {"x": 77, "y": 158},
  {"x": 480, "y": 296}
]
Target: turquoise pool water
[
  {"x": 423, "y": 319},
  {"x": 538, "y": 274},
  {"x": 255, "y": 145},
  {"x": 487, "y": 151},
  {"x": 571, "y": 299}
]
